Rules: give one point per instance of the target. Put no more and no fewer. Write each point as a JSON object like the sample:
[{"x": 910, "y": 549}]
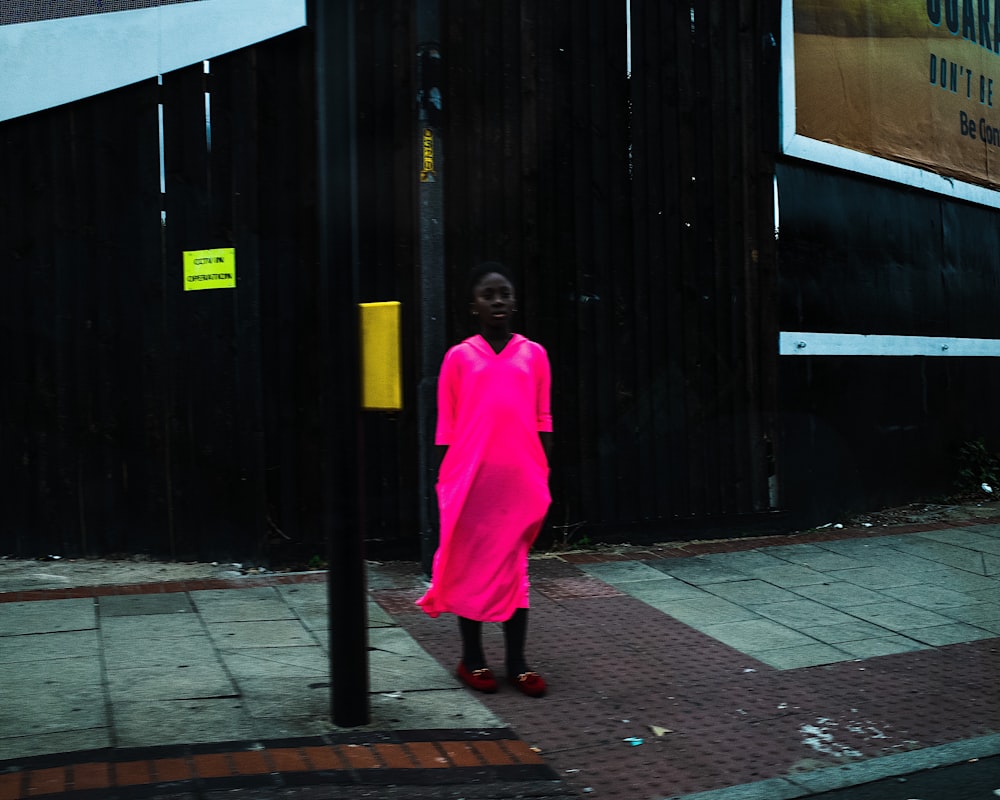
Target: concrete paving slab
[
  {"x": 662, "y": 589},
  {"x": 317, "y": 620},
  {"x": 846, "y": 632},
  {"x": 377, "y": 617},
  {"x": 950, "y": 634},
  {"x": 704, "y": 611},
  {"x": 814, "y": 557},
  {"x": 278, "y": 662},
  {"x": 395, "y": 641},
  {"x": 751, "y": 593},
  {"x": 56, "y": 696},
  {"x": 982, "y": 615},
  {"x": 305, "y": 593},
  {"x": 48, "y": 646},
  {"x": 984, "y": 595},
  {"x": 973, "y": 539},
  {"x": 747, "y": 561},
  {"x": 49, "y": 678},
  {"x": 75, "y": 710},
  {"x": 941, "y": 553},
  {"x": 839, "y": 594},
  {"x": 931, "y": 597},
  {"x": 959, "y": 580},
  {"x": 881, "y": 646},
  {"x": 809, "y": 655},
  {"x": 75, "y": 614},
  {"x": 756, "y": 635},
  {"x": 899, "y": 617},
  {"x": 153, "y": 626},
  {"x": 143, "y": 604},
  {"x": 875, "y": 578},
  {"x": 243, "y": 605},
  {"x": 391, "y": 672},
  {"x": 698, "y": 570},
  {"x": 299, "y": 698},
  {"x": 615, "y": 572},
  {"x": 148, "y": 723},
  {"x": 41, "y": 744},
  {"x": 124, "y": 653},
  {"x": 322, "y": 636},
  {"x": 805, "y": 615},
  {"x": 866, "y": 552},
  {"x": 788, "y": 575},
  {"x": 263, "y": 633},
  {"x": 178, "y": 683}
]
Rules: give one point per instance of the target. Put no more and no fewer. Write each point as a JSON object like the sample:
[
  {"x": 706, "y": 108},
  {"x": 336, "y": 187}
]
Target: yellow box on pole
[{"x": 381, "y": 368}]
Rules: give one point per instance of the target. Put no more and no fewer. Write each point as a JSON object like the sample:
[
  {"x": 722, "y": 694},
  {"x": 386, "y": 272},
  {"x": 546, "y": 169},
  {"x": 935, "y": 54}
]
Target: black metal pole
[
  {"x": 431, "y": 256},
  {"x": 334, "y": 24}
]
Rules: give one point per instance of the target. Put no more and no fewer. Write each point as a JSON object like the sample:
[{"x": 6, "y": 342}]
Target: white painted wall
[{"x": 48, "y": 63}]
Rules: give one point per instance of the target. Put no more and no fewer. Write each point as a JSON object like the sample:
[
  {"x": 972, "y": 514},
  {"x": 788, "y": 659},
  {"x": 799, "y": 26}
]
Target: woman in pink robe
[{"x": 495, "y": 424}]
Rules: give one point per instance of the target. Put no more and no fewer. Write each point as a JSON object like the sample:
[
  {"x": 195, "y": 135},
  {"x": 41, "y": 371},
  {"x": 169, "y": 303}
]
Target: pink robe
[{"x": 493, "y": 490}]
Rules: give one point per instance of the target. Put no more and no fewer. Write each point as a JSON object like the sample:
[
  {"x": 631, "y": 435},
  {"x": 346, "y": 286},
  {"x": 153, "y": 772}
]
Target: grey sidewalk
[
  {"x": 805, "y": 605},
  {"x": 201, "y": 666},
  {"x": 769, "y": 646}
]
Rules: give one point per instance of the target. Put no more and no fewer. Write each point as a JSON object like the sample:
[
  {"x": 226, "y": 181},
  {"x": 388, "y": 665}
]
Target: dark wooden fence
[
  {"x": 863, "y": 256},
  {"x": 638, "y": 211},
  {"x": 138, "y": 417},
  {"x": 635, "y": 210}
]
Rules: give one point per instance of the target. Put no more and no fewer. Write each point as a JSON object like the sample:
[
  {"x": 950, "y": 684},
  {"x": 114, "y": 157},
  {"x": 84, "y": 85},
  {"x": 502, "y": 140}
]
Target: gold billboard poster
[{"x": 911, "y": 82}]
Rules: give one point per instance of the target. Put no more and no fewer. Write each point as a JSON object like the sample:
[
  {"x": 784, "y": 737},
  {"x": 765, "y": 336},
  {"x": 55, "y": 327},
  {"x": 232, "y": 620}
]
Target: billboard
[{"x": 906, "y": 90}]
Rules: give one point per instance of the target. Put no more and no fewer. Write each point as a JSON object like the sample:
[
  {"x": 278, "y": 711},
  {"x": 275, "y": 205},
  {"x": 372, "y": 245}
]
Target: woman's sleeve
[
  {"x": 447, "y": 393},
  {"x": 543, "y": 381}
]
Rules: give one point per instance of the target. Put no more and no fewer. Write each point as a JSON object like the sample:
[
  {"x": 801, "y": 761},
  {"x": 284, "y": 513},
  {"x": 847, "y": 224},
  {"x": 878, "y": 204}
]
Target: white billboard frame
[{"x": 803, "y": 147}]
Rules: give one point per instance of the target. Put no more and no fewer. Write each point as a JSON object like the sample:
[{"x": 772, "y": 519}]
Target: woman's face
[{"x": 493, "y": 301}]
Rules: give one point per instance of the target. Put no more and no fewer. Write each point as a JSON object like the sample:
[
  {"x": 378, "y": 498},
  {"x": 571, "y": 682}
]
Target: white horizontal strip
[
  {"x": 48, "y": 63},
  {"x": 808, "y": 343}
]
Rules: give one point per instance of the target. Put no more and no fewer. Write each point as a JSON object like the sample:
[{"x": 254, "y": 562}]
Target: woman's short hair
[{"x": 480, "y": 271}]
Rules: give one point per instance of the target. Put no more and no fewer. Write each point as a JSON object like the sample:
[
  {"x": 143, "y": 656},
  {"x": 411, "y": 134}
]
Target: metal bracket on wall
[{"x": 802, "y": 343}]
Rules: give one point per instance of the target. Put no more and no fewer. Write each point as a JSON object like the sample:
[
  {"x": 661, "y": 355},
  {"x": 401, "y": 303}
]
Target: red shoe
[
  {"x": 481, "y": 680},
  {"x": 529, "y": 683}
]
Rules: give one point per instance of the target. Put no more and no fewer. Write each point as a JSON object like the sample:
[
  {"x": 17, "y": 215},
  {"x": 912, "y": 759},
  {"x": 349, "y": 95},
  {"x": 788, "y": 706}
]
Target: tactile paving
[{"x": 643, "y": 706}]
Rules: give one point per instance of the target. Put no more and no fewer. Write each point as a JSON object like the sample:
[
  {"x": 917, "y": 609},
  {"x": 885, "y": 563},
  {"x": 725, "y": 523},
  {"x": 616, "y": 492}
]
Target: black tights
[{"x": 515, "y": 631}]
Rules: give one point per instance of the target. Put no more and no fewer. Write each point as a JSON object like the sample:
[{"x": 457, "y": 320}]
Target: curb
[
  {"x": 811, "y": 784},
  {"x": 428, "y": 758}
]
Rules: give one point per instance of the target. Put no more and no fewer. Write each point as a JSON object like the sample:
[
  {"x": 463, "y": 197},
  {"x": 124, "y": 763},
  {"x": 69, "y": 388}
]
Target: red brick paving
[
  {"x": 618, "y": 670},
  {"x": 356, "y": 759}
]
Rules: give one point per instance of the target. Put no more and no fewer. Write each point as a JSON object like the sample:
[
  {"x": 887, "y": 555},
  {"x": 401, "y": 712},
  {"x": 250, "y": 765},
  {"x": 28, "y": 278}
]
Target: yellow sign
[
  {"x": 427, "y": 162},
  {"x": 210, "y": 269},
  {"x": 381, "y": 364}
]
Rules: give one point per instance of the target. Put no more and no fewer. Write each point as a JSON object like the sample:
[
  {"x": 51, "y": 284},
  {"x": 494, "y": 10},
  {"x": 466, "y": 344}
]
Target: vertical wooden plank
[
  {"x": 145, "y": 469},
  {"x": 62, "y": 331},
  {"x": 652, "y": 301},
  {"x": 238, "y": 191},
  {"x": 45, "y": 523},
  {"x": 200, "y": 395},
  {"x": 526, "y": 68},
  {"x": 16, "y": 463}
]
